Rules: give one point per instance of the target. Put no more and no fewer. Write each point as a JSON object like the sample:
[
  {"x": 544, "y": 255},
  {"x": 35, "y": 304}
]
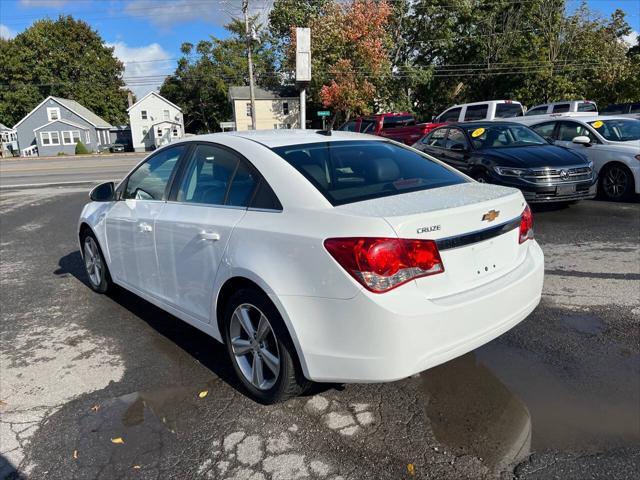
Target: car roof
[
  {"x": 281, "y": 138},
  {"x": 478, "y": 124},
  {"x": 515, "y": 102},
  {"x": 580, "y": 118}
]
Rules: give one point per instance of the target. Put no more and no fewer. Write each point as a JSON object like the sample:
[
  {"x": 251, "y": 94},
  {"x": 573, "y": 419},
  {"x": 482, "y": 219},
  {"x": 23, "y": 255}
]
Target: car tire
[
  {"x": 481, "y": 176},
  {"x": 95, "y": 264},
  {"x": 253, "y": 358},
  {"x": 616, "y": 182}
]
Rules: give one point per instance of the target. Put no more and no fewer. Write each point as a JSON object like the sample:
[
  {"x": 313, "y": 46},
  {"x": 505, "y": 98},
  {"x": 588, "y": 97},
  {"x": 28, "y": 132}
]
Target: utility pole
[{"x": 247, "y": 31}]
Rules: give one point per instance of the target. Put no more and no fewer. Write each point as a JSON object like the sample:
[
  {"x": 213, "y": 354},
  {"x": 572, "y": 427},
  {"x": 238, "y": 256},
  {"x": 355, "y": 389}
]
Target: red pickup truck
[{"x": 401, "y": 127}]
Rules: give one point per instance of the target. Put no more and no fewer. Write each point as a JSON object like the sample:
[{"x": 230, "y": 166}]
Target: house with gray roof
[
  {"x": 274, "y": 108},
  {"x": 57, "y": 124}
]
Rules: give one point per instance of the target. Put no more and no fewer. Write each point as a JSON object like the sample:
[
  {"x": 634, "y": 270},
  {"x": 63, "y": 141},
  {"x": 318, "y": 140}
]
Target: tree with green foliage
[
  {"x": 64, "y": 58},
  {"x": 200, "y": 84}
]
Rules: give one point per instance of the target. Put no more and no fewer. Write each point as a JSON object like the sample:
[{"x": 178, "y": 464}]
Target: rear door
[{"x": 192, "y": 232}]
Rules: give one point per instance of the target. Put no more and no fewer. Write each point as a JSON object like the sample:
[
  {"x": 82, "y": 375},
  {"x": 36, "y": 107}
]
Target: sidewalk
[{"x": 79, "y": 157}]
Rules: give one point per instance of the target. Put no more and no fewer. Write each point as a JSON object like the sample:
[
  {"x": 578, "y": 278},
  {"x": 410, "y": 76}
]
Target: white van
[
  {"x": 489, "y": 110},
  {"x": 567, "y": 106}
]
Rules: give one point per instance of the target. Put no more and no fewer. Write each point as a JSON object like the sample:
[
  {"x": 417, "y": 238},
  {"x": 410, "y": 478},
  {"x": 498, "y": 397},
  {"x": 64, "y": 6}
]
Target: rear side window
[
  {"x": 587, "y": 107},
  {"x": 635, "y": 108},
  {"x": 350, "y": 127},
  {"x": 265, "y": 198},
  {"x": 545, "y": 129},
  {"x": 476, "y": 112},
  {"x": 537, "y": 111},
  {"x": 560, "y": 108},
  {"x": 216, "y": 176},
  {"x": 436, "y": 138},
  {"x": 450, "y": 115},
  {"x": 351, "y": 171},
  {"x": 508, "y": 110},
  {"x": 616, "y": 109}
]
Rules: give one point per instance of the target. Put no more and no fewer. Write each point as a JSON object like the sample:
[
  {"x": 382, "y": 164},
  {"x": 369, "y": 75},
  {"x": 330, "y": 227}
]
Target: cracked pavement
[{"x": 112, "y": 387}]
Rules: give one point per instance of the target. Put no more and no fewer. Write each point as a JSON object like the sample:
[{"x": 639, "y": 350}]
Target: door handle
[
  {"x": 144, "y": 227},
  {"x": 212, "y": 236}
]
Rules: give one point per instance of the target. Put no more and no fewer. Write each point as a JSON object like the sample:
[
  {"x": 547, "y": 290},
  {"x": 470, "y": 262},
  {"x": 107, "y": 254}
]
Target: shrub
[{"x": 81, "y": 149}]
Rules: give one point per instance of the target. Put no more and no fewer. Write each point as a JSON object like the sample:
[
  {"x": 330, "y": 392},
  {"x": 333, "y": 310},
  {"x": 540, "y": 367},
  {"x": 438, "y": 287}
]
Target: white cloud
[
  {"x": 6, "y": 32},
  {"x": 144, "y": 67},
  {"x": 631, "y": 39}
]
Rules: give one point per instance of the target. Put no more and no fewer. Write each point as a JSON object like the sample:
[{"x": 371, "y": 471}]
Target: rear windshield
[{"x": 351, "y": 171}]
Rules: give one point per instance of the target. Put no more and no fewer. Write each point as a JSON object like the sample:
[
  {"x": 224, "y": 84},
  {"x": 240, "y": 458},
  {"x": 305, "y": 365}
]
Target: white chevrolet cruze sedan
[{"x": 316, "y": 257}]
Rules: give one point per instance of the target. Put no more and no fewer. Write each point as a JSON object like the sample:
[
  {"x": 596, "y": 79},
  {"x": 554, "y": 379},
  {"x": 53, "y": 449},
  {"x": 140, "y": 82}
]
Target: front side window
[
  {"x": 216, "y": 176},
  {"x": 436, "y": 138},
  {"x": 476, "y": 112},
  {"x": 537, "y": 111},
  {"x": 500, "y": 136},
  {"x": 352, "y": 171},
  {"x": 508, "y": 110},
  {"x": 618, "y": 130},
  {"x": 450, "y": 115},
  {"x": 570, "y": 130},
  {"x": 150, "y": 179}
]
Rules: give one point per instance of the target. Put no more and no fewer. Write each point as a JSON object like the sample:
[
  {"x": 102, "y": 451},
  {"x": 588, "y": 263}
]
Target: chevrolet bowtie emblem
[{"x": 491, "y": 215}]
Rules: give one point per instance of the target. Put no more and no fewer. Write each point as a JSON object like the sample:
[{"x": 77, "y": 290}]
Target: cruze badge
[
  {"x": 491, "y": 215},
  {"x": 432, "y": 228}
]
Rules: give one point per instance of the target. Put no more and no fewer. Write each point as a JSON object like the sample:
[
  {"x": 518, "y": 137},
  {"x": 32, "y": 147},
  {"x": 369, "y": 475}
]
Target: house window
[
  {"x": 66, "y": 138},
  {"x": 75, "y": 135},
  {"x": 175, "y": 131},
  {"x": 249, "y": 109},
  {"x": 165, "y": 114},
  {"x": 87, "y": 137},
  {"x": 50, "y": 138},
  {"x": 53, "y": 113},
  {"x": 143, "y": 114},
  {"x": 285, "y": 108},
  {"x": 159, "y": 132}
]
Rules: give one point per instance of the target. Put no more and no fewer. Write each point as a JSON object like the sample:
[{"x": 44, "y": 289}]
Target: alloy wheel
[
  {"x": 93, "y": 261},
  {"x": 254, "y": 346},
  {"x": 615, "y": 182}
]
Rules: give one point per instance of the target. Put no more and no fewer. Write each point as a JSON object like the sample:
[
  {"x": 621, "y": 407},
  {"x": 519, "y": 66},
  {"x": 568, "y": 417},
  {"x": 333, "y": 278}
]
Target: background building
[
  {"x": 274, "y": 109},
  {"x": 154, "y": 121}
]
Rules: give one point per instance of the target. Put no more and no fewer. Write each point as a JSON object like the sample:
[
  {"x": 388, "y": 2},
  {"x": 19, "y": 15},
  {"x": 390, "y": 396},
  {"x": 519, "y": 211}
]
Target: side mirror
[
  {"x": 582, "y": 140},
  {"x": 458, "y": 147},
  {"x": 103, "y": 192}
]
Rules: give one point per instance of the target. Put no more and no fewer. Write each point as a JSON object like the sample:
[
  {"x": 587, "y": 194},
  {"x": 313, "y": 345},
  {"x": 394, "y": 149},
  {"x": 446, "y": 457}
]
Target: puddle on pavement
[{"x": 499, "y": 403}]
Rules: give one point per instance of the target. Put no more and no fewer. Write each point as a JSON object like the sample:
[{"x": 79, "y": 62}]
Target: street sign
[{"x": 324, "y": 113}]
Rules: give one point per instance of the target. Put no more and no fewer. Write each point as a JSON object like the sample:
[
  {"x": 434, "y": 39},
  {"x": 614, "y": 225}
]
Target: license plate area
[
  {"x": 565, "y": 189},
  {"x": 485, "y": 259}
]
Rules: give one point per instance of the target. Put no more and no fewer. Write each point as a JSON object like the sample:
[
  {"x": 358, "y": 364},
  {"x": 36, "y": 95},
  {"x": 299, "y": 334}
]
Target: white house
[
  {"x": 155, "y": 121},
  {"x": 274, "y": 108}
]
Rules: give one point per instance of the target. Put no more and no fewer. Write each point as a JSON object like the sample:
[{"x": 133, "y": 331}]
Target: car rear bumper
[{"x": 377, "y": 338}]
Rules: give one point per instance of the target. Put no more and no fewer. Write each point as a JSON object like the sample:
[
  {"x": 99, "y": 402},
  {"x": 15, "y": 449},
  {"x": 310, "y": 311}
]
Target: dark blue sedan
[{"x": 513, "y": 155}]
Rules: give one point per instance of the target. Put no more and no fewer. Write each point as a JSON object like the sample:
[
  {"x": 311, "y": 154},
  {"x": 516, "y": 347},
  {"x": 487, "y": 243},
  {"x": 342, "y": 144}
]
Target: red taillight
[
  {"x": 526, "y": 225},
  {"x": 381, "y": 264}
]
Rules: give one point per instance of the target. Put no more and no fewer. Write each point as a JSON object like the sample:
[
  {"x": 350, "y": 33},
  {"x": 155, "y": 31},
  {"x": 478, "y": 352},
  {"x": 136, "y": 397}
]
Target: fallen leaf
[
  {"x": 75, "y": 454},
  {"x": 411, "y": 469},
  {"x": 117, "y": 440},
  {"x": 203, "y": 393},
  {"x": 95, "y": 408}
]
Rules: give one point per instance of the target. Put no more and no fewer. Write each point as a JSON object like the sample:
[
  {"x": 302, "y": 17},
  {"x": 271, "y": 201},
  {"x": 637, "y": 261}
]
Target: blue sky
[{"x": 147, "y": 34}]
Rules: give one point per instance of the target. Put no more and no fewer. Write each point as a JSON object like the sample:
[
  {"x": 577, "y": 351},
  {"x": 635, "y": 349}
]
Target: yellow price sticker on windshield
[
  {"x": 477, "y": 132},
  {"x": 597, "y": 124}
]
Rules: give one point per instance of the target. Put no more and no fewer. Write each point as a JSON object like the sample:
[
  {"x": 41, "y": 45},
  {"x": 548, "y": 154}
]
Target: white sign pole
[{"x": 303, "y": 69}]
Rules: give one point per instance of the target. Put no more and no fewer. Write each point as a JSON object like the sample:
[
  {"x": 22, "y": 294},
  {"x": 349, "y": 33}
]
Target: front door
[
  {"x": 456, "y": 151},
  {"x": 567, "y": 131},
  {"x": 192, "y": 232},
  {"x": 130, "y": 224}
]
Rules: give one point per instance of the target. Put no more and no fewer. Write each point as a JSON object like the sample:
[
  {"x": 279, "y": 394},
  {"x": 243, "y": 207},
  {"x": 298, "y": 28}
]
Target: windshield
[
  {"x": 500, "y": 136},
  {"x": 351, "y": 171},
  {"x": 618, "y": 130}
]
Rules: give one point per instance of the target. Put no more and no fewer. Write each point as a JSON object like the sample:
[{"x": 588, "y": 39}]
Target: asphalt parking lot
[{"x": 111, "y": 387}]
